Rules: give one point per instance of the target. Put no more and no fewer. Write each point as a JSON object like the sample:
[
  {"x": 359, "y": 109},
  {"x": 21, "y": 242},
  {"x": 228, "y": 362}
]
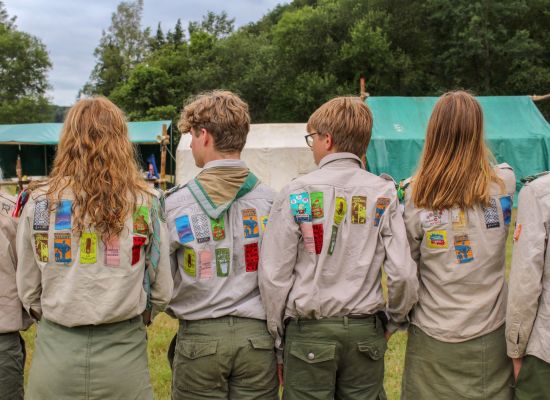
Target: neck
[{"x": 216, "y": 155}]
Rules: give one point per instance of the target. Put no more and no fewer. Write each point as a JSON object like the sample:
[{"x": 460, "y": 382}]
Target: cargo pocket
[
  {"x": 373, "y": 349},
  {"x": 259, "y": 364},
  {"x": 196, "y": 365},
  {"x": 311, "y": 364}
]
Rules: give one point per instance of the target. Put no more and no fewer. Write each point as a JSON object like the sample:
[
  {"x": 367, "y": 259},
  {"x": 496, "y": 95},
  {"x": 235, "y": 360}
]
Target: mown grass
[{"x": 164, "y": 328}]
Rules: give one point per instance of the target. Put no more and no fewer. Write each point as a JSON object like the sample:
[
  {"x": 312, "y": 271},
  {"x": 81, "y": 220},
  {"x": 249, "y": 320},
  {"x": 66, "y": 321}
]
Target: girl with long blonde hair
[
  {"x": 92, "y": 255},
  {"x": 457, "y": 214}
]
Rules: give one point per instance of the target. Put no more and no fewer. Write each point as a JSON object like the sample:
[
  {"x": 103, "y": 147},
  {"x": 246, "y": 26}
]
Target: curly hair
[{"x": 96, "y": 161}]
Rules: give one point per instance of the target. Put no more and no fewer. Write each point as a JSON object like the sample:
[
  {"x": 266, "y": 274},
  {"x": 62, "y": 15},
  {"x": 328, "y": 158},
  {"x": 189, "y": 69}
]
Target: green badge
[
  {"x": 340, "y": 209},
  {"x": 189, "y": 261},
  {"x": 218, "y": 228},
  {"x": 223, "y": 260},
  {"x": 333, "y": 239},
  {"x": 317, "y": 204},
  {"x": 141, "y": 220}
]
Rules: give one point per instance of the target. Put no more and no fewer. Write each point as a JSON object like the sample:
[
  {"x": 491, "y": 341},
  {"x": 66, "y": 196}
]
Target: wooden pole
[
  {"x": 165, "y": 139},
  {"x": 362, "y": 89}
]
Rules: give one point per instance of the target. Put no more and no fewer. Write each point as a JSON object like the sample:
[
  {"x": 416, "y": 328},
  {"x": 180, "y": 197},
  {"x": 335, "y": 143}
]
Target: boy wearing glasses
[{"x": 329, "y": 233}]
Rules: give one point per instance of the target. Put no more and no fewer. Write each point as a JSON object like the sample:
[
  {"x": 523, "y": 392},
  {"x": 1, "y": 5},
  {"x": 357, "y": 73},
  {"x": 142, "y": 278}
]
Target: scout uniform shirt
[
  {"x": 77, "y": 281},
  {"x": 461, "y": 261},
  {"x": 528, "y": 314},
  {"x": 328, "y": 235},
  {"x": 214, "y": 245},
  {"x": 13, "y": 317}
]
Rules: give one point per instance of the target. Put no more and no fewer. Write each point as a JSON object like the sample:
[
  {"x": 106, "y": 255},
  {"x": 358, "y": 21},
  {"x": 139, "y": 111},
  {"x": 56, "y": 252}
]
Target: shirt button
[{"x": 311, "y": 356}]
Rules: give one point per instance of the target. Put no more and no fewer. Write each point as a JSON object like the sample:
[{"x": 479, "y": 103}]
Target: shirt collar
[
  {"x": 339, "y": 156},
  {"x": 225, "y": 163}
]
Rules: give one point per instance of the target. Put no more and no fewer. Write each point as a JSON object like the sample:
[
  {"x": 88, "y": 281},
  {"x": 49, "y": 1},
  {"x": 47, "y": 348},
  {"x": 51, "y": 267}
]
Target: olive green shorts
[
  {"x": 533, "y": 380},
  {"x": 12, "y": 363}
]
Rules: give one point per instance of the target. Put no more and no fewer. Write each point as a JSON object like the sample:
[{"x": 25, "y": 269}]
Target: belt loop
[
  {"x": 346, "y": 321},
  {"x": 231, "y": 320}
]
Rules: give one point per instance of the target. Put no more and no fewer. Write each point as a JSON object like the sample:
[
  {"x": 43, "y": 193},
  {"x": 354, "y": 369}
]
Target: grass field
[{"x": 164, "y": 328}]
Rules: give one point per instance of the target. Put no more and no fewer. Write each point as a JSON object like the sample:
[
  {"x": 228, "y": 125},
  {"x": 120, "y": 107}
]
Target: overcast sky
[{"x": 71, "y": 29}]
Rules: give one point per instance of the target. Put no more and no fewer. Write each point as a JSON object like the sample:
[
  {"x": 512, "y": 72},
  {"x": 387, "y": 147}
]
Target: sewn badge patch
[
  {"x": 300, "y": 207},
  {"x": 458, "y": 218},
  {"x": 317, "y": 205},
  {"x": 251, "y": 257},
  {"x": 63, "y": 215},
  {"x": 88, "y": 248},
  {"x": 223, "y": 261},
  {"x": 205, "y": 263},
  {"x": 41, "y": 246},
  {"x": 517, "y": 232},
  {"x": 358, "y": 209},
  {"x": 430, "y": 218},
  {"x": 138, "y": 242},
  {"x": 218, "y": 228},
  {"x": 250, "y": 223},
  {"x": 506, "y": 205},
  {"x": 201, "y": 225},
  {"x": 381, "y": 205},
  {"x": 263, "y": 222},
  {"x": 41, "y": 221},
  {"x": 141, "y": 220},
  {"x": 307, "y": 234},
  {"x": 112, "y": 252},
  {"x": 340, "y": 209},
  {"x": 491, "y": 215},
  {"x": 62, "y": 248},
  {"x": 437, "y": 240},
  {"x": 318, "y": 236},
  {"x": 189, "y": 261},
  {"x": 183, "y": 227},
  {"x": 463, "y": 249},
  {"x": 333, "y": 236}
]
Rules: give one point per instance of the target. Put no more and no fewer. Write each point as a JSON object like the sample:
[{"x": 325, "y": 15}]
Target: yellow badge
[
  {"x": 189, "y": 261},
  {"x": 88, "y": 248},
  {"x": 437, "y": 240},
  {"x": 458, "y": 217},
  {"x": 340, "y": 209}
]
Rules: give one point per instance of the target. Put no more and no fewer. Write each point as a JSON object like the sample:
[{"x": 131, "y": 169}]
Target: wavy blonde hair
[
  {"x": 96, "y": 161},
  {"x": 456, "y": 165}
]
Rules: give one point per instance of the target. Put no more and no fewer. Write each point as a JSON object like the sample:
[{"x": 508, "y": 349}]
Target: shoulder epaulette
[
  {"x": 173, "y": 190},
  {"x": 387, "y": 177},
  {"x": 531, "y": 178}
]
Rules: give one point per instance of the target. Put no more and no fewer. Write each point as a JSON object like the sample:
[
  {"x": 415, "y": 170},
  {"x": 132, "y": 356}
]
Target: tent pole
[
  {"x": 163, "y": 144},
  {"x": 45, "y": 162}
]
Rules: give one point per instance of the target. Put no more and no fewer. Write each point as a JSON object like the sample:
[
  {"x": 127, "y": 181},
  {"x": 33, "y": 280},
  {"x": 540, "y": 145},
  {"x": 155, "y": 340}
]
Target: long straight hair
[{"x": 456, "y": 166}]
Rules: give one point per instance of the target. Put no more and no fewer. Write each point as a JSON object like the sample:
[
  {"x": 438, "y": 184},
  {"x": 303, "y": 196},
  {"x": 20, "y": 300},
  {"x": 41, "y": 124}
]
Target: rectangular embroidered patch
[
  {"x": 429, "y": 218},
  {"x": 205, "y": 263},
  {"x": 138, "y": 242},
  {"x": 307, "y": 234},
  {"x": 189, "y": 261},
  {"x": 41, "y": 246},
  {"x": 517, "y": 232},
  {"x": 506, "y": 205},
  {"x": 201, "y": 225},
  {"x": 263, "y": 222},
  {"x": 223, "y": 261},
  {"x": 88, "y": 248},
  {"x": 62, "y": 248},
  {"x": 250, "y": 223},
  {"x": 358, "y": 209},
  {"x": 183, "y": 227},
  {"x": 218, "y": 228},
  {"x": 333, "y": 236},
  {"x": 251, "y": 257},
  {"x": 112, "y": 252},
  {"x": 340, "y": 209},
  {"x": 41, "y": 221},
  {"x": 63, "y": 215},
  {"x": 381, "y": 205},
  {"x": 463, "y": 249},
  {"x": 458, "y": 218},
  {"x": 300, "y": 207},
  {"x": 318, "y": 236},
  {"x": 437, "y": 240},
  {"x": 141, "y": 220},
  {"x": 317, "y": 205},
  {"x": 491, "y": 215}
]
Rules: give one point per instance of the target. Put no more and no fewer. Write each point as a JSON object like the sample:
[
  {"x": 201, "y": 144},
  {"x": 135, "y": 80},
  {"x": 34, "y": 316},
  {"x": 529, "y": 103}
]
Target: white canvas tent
[{"x": 276, "y": 153}]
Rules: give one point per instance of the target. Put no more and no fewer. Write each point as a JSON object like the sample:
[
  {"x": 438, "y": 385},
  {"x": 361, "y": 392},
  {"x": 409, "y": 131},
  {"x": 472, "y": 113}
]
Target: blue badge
[
  {"x": 300, "y": 207},
  {"x": 183, "y": 227},
  {"x": 63, "y": 215},
  {"x": 506, "y": 205}
]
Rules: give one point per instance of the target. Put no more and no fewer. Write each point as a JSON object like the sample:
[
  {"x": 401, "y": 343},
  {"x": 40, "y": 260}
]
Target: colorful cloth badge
[
  {"x": 340, "y": 209},
  {"x": 138, "y": 242},
  {"x": 307, "y": 234},
  {"x": 20, "y": 204},
  {"x": 141, "y": 220},
  {"x": 189, "y": 261},
  {"x": 333, "y": 236},
  {"x": 317, "y": 205},
  {"x": 517, "y": 232},
  {"x": 88, "y": 248},
  {"x": 223, "y": 261},
  {"x": 251, "y": 257},
  {"x": 300, "y": 207},
  {"x": 381, "y": 205},
  {"x": 458, "y": 218},
  {"x": 63, "y": 215},
  {"x": 263, "y": 222},
  {"x": 491, "y": 215},
  {"x": 437, "y": 240},
  {"x": 201, "y": 224},
  {"x": 463, "y": 249},
  {"x": 429, "y": 218},
  {"x": 183, "y": 227},
  {"x": 506, "y": 205},
  {"x": 41, "y": 220},
  {"x": 205, "y": 264},
  {"x": 112, "y": 252},
  {"x": 62, "y": 247},
  {"x": 318, "y": 236},
  {"x": 358, "y": 209},
  {"x": 41, "y": 246},
  {"x": 218, "y": 228},
  {"x": 250, "y": 223}
]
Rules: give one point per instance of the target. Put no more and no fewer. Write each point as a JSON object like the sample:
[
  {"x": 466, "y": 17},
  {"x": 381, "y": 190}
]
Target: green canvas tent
[{"x": 515, "y": 130}]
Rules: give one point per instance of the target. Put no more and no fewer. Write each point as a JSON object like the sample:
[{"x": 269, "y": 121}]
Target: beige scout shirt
[
  {"x": 328, "y": 235},
  {"x": 12, "y": 315},
  {"x": 83, "y": 281},
  {"x": 528, "y": 314},
  {"x": 461, "y": 258},
  {"x": 215, "y": 261}
]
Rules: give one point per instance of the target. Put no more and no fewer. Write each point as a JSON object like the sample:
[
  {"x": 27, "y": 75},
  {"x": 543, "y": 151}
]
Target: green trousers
[
  {"x": 224, "y": 358},
  {"x": 477, "y": 369},
  {"x": 533, "y": 380},
  {"x": 12, "y": 364},
  {"x": 334, "y": 358}
]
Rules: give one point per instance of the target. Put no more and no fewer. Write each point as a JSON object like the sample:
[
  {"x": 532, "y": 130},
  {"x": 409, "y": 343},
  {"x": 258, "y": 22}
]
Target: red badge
[
  {"x": 139, "y": 241},
  {"x": 318, "y": 234},
  {"x": 251, "y": 256}
]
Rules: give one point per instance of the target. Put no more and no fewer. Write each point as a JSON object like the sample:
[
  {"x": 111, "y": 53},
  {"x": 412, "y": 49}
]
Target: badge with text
[
  {"x": 358, "y": 209},
  {"x": 491, "y": 215},
  {"x": 201, "y": 224},
  {"x": 63, "y": 215},
  {"x": 41, "y": 220},
  {"x": 205, "y": 264},
  {"x": 307, "y": 234},
  {"x": 189, "y": 261},
  {"x": 437, "y": 240},
  {"x": 223, "y": 260},
  {"x": 318, "y": 236},
  {"x": 251, "y": 257},
  {"x": 183, "y": 227},
  {"x": 340, "y": 209},
  {"x": 88, "y": 248},
  {"x": 317, "y": 205},
  {"x": 250, "y": 223},
  {"x": 463, "y": 249},
  {"x": 112, "y": 252},
  {"x": 218, "y": 228},
  {"x": 62, "y": 248},
  {"x": 429, "y": 218},
  {"x": 137, "y": 243},
  {"x": 333, "y": 236},
  {"x": 458, "y": 218},
  {"x": 41, "y": 246},
  {"x": 300, "y": 207},
  {"x": 141, "y": 220},
  {"x": 381, "y": 205},
  {"x": 263, "y": 222},
  {"x": 506, "y": 205}
]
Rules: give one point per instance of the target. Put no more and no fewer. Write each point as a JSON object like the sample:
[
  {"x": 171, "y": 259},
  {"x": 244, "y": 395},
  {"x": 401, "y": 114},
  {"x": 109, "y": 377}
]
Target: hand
[
  {"x": 388, "y": 335},
  {"x": 280, "y": 374},
  {"x": 146, "y": 315},
  {"x": 517, "y": 366}
]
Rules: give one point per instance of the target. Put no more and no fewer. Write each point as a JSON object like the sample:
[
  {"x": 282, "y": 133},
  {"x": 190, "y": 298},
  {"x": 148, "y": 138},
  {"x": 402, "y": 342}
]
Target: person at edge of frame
[
  {"x": 216, "y": 221},
  {"x": 458, "y": 208},
  {"x": 320, "y": 274}
]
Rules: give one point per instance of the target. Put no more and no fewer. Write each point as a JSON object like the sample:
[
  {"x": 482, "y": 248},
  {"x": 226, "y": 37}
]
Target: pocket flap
[
  {"x": 375, "y": 349},
  {"x": 262, "y": 342},
  {"x": 313, "y": 353},
  {"x": 193, "y": 349}
]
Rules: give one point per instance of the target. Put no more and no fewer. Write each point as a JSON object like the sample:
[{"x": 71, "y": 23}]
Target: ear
[
  {"x": 328, "y": 141},
  {"x": 206, "y": 136}
]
